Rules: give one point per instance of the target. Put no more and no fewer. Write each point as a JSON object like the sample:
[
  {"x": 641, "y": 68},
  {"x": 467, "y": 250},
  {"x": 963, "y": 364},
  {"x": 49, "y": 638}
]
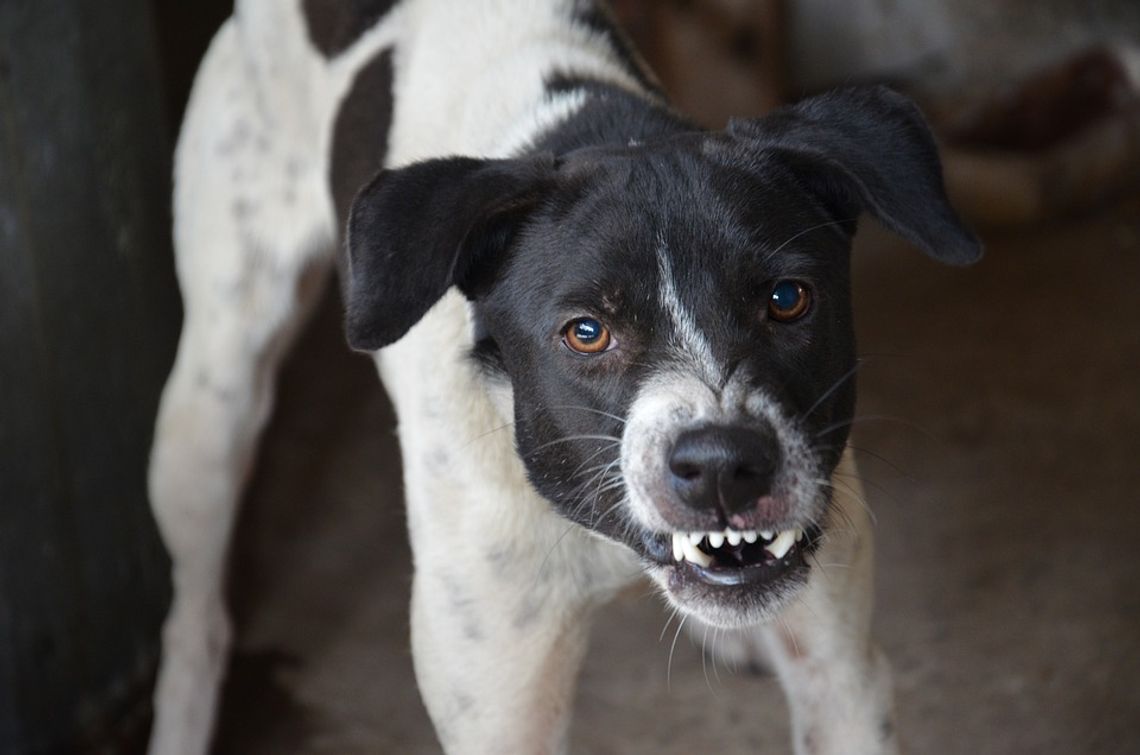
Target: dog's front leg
[
  {"x": 837, "y": 682},
  {"x": 501, "y": 608},
  {"x": 492, "y": 679},
  {"x": 838, "y": 685}
]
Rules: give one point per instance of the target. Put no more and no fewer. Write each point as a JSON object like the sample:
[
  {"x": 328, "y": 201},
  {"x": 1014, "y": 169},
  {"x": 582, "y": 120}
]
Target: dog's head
[{"x": 673, "y": 320}]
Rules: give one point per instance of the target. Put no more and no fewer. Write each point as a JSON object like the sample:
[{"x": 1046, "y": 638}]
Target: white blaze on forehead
[{"x": 689, "y": 338}]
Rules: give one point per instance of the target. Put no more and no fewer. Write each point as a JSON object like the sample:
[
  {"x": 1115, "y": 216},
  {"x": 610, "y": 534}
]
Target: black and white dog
[{"x": 659, "y": 315}]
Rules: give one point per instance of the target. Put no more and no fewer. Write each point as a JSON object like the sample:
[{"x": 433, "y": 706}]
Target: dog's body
[{"x": 296, "y": 106}]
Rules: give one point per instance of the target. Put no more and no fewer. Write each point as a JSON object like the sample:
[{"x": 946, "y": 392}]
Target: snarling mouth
[{"x": 732, "y": 557}]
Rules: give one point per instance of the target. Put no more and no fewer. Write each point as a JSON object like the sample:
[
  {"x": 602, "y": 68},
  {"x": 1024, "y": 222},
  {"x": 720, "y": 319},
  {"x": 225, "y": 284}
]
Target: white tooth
[
  {"x": 766, "y": 534},
  {"x": 678, "y": 550},
  {"x": 696, "y": 537},
  {"x": 799, "y": 534},
  {"x": 732, "y": 536},
  {"x": 782, "y": 544},
  {"x": 694, "y": 554},
  {"x": 716, "y": 539},
  {"x": 750, "y": 536}
]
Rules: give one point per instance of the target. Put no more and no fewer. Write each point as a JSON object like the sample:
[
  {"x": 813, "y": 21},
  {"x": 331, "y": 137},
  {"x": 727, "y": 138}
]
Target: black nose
[{"x": 730, "y": 467}]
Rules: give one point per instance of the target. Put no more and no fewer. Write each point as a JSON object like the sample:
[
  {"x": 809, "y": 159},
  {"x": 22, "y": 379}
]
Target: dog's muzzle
[{"x": 727, "y": 472}]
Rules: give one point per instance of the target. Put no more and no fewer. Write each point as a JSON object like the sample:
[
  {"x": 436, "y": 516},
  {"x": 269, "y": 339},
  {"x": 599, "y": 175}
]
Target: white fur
[
  {"x": 503, "y": 587},
  {"x": 690, "y": 340}
]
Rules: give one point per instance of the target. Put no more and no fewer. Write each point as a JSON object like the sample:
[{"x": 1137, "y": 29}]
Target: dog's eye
[
  {"x": 586, "y": 336},
  {"x": 790, "y": 300}
]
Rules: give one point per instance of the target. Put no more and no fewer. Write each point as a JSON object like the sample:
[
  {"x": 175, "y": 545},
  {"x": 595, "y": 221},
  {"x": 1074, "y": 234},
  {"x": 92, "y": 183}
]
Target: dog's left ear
[
  {"x": 416, "y": 231},
  {"x": 869, "y": 148}
]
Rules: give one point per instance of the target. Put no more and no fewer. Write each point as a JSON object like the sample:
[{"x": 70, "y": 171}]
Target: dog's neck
[{"x": 608, "y": 115}]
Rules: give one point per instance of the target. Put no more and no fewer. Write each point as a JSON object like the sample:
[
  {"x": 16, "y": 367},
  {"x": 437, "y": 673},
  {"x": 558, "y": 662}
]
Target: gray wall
[{"x": 88, "y": 320}]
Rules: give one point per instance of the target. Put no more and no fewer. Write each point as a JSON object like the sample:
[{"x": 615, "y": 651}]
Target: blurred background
[{"x": 1000, "y": 405}]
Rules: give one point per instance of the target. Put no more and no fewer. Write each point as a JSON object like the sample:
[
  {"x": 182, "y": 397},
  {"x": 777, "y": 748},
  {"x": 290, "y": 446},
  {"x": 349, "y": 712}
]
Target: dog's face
[
  {"x": 677, "y": 335},
  {"x": 673, "y": 321}
]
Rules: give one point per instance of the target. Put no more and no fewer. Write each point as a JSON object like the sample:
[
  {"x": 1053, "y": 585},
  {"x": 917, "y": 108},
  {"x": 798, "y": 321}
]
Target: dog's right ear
[
  {"x": 416, "y": 231},
  {"x": 869, "y": 148}
]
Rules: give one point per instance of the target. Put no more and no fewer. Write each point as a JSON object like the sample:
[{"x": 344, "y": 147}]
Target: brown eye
[
  {"x": 586, "y": 336},
  {"x": 790, "y": 300}
]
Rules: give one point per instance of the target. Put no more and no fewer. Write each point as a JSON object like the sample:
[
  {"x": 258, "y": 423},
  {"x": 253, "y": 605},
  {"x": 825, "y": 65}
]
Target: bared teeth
[
  {"x": 695, "y": 554},
  {"x": 685, "y": 549},
  {"x": 685, "y": 543},
  {"x": 783, "y": 543}
]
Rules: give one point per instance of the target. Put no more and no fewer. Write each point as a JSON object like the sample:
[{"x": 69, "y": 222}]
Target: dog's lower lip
[{"x": 745, "y": 575}]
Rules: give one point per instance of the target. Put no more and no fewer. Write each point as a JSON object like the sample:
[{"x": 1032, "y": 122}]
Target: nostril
[
  {"x": 752, "y": 471},
  {"x": 745, "y": 473},
  {"x": 685, "y": 471}
]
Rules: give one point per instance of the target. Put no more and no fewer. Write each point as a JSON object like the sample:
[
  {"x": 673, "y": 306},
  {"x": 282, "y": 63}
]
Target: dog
[{"x": 617, "y": 345}]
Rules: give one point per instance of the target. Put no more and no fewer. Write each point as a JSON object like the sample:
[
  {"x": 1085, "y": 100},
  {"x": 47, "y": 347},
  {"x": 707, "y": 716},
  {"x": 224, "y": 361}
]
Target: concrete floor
[{"x": 1005, "y": 484}]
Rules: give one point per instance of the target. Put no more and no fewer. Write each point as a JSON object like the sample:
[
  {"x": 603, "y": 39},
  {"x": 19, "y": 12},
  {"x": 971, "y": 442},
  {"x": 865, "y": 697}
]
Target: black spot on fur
[
  {"x": 463, "y": 703},
  {"x": 528, "y": 611},
  {"x": 886, "y": 729},
  {"x": 334, "y": 25},
  {"x": 242, "y": 209},
  {"x": 360, "y": 136}
]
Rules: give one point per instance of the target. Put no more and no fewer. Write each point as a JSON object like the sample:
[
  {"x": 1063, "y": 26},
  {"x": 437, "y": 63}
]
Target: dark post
[{"x": 88, "y": 322}]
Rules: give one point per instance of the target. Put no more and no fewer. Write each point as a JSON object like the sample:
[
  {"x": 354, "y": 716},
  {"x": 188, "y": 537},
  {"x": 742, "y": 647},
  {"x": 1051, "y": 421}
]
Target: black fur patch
[
  {"x": 334, "y": 25},
  {"x": 360, "y": 136}
]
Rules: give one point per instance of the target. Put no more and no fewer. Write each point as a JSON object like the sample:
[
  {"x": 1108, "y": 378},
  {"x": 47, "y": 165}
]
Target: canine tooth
[
  {"x": 766, "y": 534},
  {"x": 694, "y": 554},
  {"x": 716, "y": 539},
  {"x": 799, "y": 534},
  {"x": 733, "y": 537},
  {"x": 678, "y": 550},
  {"x": 696, "y": 537},
  {"x": 750, "y": 536},
  {"x": 782, "y": 544}
]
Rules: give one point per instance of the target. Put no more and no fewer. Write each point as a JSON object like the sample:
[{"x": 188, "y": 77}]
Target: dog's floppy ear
[
  {"x": 869, "y": 148},
  {"x": 416, "y": 231}
]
